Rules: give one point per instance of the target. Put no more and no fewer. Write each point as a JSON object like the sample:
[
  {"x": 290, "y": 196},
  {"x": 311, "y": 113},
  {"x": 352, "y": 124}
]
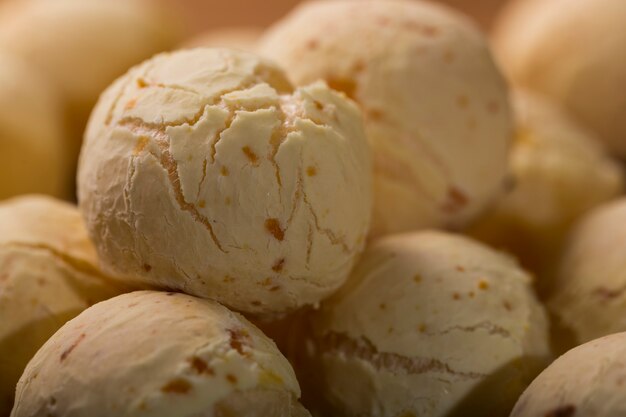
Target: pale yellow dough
[
  {"x": 586, "y": 381},
  {"x": 559, "y": 173},
  {"x": 48, "y": 275},
  {"x": 435, "y": 105},
  {"x": 572, "y": 51},
  {"x": 83, "y": 45},
  {"x": 589, "y": 297},
  {"x": 430, "y": 324},
  {"x": 32, "y": 146},
  {"x": 158, "y": 354},
  {"x": 202, "y": 171}
]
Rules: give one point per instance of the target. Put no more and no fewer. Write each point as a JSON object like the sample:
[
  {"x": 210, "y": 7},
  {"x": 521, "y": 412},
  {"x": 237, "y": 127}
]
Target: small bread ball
[
  {"x": 32, "y": 147},
  {"x": 559, "y": 173},
  {"x": 158, "y": 354},
  {"x": 589, "y": 296},
  {"x": 436, "y": 108},
  {"x": 430, "y": 324},
  {"x": 586, "y": 381},
  {"x": 83, "y": 45},
  {"x": 243, "y": 37},
  {"x": 573, "y": 52},
  {"x": 48, "y": 275},
  {"x": 202, "y": 171}
]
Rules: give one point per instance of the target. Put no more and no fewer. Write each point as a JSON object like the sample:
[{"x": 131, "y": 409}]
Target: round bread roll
[
  {"x": 560, "y": 172},
  {"x": 243, "y": 37},
  {"x": 158, "y": 354},
  {"x": 83, "y": 45},
  {"x": 429, "y": 324},
  {"x": 589, "y": 298},
  {"x": 202, "y": 171},
  {"x": 561, "y": 49},
  {"x": 48, "y": 275},
  {"x": 32, "y": 147},
  {"x": 435, "y": 105},
  {"x": 586, "y": 381}
]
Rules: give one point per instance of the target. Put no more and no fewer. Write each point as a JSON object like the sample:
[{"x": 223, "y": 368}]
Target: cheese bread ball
[
  {"x": 203, "y": 172},
  {"x": 573, "y": 51},
  {"x": 243, "y": 37},
  {"x": 429, "y": 324},
  {"x": 83, "y": 45},
  {"x": 48, "y": 275},
  {"x": 589, "y": 297},
  {"x": 436, "y": 109},
  {"x": 586, "y": 381},
  {"x": 32, "y": 147},
  {"x": 158, "y": 354},
  {"x": 560, "y": 172}
]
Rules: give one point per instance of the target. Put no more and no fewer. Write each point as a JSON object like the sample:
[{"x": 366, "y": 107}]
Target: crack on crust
[
  {"x": 363, "y": 349},
  {"x": 295, "y": 203},
  {"x": 72, "y": 262},
  {"x": 289, "y": 110},
  {"x": 143, "y": 83},
  {"x": 491, "y": 328},
  {"x": 330, "y": 235},
  {"x": 126, "y": 194},
  {"x": 204, "y": 165},
  {"x": 286, "y": 126},
  {"x": 218, "y": 135},
  {"x": 279, "y": 135},
  {"x": 260, "y": 75},
  {"x": 169, "y": 164},
  {"x": 335, "y": 240},
  {"x": 309, "y": 247},
  {"x": 191, "y": 122}
]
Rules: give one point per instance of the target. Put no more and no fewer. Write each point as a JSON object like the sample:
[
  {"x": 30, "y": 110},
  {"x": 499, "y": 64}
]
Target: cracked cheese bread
[
  {"x": 429, "y": 324},
  {"x": 590, "y": 293},
  {"x": 202, "y": 171},
  {"x": 157, "y": 354},
  {"x": 32, "y": 147},
  {"x": 586, "y": 381},
  {"x": 48, "y": 275},
  {"x": 435, "y": 105}
]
